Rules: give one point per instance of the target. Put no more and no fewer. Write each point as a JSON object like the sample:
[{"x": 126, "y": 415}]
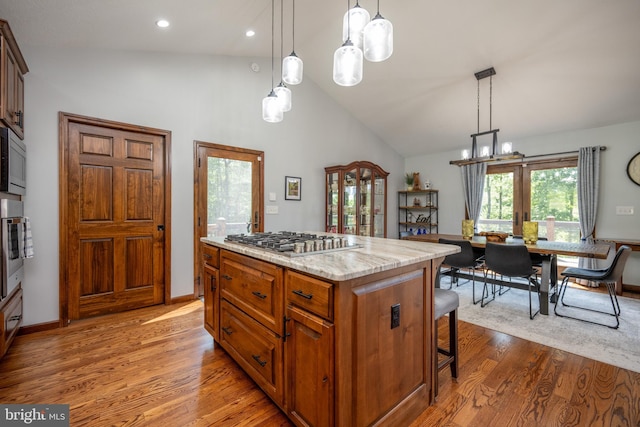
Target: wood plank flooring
[{"x": 158, "y": 367}]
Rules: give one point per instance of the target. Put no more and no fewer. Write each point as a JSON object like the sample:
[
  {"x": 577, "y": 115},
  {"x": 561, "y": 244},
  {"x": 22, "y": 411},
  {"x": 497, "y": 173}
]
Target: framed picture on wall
[{"x": 292, "y": 188}]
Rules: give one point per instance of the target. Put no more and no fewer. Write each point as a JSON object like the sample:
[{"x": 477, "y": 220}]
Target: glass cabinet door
[
  {"x": 365, "y": 202},
  {"x": 333, "y": 198},
  {"x": 379, "y": 206},
  {"x": 349, "y": 202}
]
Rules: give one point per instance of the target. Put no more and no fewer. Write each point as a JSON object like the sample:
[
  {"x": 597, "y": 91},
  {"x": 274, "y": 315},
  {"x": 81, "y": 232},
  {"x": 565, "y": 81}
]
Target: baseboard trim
[
  {"x": 47, "y": 326},
  {"x": 183, "y": 298},
  {"x": 39, "y": 327}
]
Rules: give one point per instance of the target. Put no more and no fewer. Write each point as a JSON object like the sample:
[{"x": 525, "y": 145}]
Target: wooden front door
[{"x": 114, "y": 245}]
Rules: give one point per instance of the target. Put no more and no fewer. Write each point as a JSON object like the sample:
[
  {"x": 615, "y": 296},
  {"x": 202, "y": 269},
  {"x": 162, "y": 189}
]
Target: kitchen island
[{"x": 342, "y": 338}]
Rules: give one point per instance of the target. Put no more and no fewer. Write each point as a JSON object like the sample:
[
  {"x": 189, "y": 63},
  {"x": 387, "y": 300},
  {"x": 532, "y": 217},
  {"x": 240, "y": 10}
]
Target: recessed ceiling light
[
  {"x": 250, "y": 33},
  {"x": 162, "y": 23}
]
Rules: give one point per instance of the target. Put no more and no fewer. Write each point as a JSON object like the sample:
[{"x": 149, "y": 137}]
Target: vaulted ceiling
[{"x": 561, "y": 65}]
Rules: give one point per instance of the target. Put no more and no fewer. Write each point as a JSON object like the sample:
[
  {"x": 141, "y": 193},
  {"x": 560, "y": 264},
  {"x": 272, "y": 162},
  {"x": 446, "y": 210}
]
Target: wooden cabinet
[
  {"x": 356, "y": 199},
  {"x": 10, "y": 319},
  {"x": 327, "y": 352},
  {"x": 12, "y": 70},
  {"x": 309, "y": 370},
  {"x": 418, "y": 212},
  {"x": 211, "y": 283}
]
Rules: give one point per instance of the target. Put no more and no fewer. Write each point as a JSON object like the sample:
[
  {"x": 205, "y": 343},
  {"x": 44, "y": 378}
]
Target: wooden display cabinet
[{"x": 356, "y": 199}]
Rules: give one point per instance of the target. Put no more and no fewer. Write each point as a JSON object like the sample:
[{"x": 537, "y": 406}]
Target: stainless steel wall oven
[{"x": 12, "y": 239}]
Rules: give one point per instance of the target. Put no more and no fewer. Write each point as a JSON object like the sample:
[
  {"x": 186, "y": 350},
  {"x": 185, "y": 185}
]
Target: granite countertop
[{"x": 375, "y": 255}]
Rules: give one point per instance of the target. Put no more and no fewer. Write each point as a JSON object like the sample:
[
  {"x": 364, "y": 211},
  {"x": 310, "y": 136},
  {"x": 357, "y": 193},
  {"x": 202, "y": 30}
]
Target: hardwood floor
[{"x": 158, "y": 367}]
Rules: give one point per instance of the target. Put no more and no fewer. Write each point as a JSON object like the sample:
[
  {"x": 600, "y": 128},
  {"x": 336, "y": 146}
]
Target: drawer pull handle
[
  {"x": 256, "y": 357},
  {"x": 302, "y": 294},
  {"x": 227, "y": 277},
  {"x": 227, "y": 331},
  {"x": 208, "y": 256},
  {"x": 15, "y": 318},
  {"x": 213, "y": 283},
  {"x": 259, "y": 295}
]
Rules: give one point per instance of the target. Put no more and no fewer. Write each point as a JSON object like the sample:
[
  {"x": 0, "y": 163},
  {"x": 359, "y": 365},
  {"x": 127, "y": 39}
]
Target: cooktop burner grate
[{"x": 293, "y": 243}]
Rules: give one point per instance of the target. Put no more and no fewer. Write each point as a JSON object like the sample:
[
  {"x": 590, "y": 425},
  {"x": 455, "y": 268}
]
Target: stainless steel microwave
[{"x": 13, "y": 163}]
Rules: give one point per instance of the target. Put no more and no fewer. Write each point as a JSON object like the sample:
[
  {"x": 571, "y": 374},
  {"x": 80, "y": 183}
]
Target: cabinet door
[
  {"x": 333, "y": 200},
  {"x": 14, "y": 92},
  {"x": 256, "y": 349},
  {"x": 364, "y": 199},
  {"x": 10, "y": 321},
  {"x": 211, "y": 301},
  {"x": 309, "y": 355},
  {"x": 349, "y": 202}
]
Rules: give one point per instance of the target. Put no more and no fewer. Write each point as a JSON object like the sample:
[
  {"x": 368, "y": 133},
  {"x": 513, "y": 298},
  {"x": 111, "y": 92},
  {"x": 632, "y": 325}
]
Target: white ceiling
[{"x": 561, "y": 65}]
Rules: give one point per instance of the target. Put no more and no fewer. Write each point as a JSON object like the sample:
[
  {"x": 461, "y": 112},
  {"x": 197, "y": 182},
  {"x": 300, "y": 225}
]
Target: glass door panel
[
  {"x": 349, "y": 202},
  {"x": 497, "y": 213},
  {"x": 379, "y": 206},
  {"x": 365, "y": 202},
  {"x": 554, "y": 203},
  {"x": 229, "y": 207},
  {"x": 333, "y": 198}
]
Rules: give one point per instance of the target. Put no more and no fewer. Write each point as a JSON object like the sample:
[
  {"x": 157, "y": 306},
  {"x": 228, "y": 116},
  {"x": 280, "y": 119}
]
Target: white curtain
[
  {"x": 473, "y": 176},
  {"x": 588, "y": 188}
]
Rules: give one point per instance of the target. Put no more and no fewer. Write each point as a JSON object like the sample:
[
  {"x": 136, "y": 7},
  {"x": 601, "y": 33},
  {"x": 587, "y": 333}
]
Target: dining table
[{"x": 548, "y": 249}]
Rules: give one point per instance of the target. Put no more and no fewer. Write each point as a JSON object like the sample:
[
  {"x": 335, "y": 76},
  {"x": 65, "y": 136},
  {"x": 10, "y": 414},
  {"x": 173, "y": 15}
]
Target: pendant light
[
  {"x": 353, "y": 25},
  {"x": 271, "y": 109},
  {"x": 378, "y": 38},
  {"x": 282, "y": 92},
  {"x": 347, "y": 61},
  {"x": 292, "y": 65}
]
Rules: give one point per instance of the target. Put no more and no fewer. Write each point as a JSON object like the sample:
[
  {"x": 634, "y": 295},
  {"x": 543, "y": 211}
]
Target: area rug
[{"x": 509, "y": 313}]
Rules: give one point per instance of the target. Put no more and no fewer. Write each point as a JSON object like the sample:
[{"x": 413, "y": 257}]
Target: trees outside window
[{"x": 542, "y": 191}]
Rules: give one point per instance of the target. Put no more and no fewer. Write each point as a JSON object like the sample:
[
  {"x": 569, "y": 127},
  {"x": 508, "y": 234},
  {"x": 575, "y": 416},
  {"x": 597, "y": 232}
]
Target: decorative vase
[
  {"x": 530, "y": 232},
  {"x": 416, "y": 181},
  {"x": 467, "y": 229}
]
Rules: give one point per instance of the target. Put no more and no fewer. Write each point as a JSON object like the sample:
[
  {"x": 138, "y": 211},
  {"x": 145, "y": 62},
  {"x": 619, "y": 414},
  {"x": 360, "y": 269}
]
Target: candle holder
[
  {"x": 467, "y": 229},
  {"x": 530, "y": 232}
]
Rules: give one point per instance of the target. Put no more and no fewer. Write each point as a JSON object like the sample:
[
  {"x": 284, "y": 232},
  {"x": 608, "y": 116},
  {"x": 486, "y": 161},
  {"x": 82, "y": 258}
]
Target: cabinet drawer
[
  {"x": 253, "y": 286},
  {"x": 255, "y": 348},
  {"x": 11, "y": 315},
  {"x": 210, "y": 255},
  {"x": 310, "y": 294}
]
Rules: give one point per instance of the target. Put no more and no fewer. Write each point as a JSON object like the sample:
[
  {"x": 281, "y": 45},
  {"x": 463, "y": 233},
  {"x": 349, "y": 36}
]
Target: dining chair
[
  {"x": 446, "y": 302},
  {"x": 512, "y": 261},
  {"x": 466, "y": 258},
  {"x": 609, "y": 276}
]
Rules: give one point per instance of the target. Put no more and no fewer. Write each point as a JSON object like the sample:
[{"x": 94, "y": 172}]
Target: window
[{"x": 543, "y": 191}]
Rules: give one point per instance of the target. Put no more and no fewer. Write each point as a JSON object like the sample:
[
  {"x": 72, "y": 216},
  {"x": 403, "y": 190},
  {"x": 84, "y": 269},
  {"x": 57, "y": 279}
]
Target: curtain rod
[{"x": 602, "y": 148}]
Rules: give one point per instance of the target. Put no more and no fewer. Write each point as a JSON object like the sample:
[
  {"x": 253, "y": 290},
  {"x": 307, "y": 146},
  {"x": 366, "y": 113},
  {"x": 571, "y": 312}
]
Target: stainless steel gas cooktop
[{"x": 292, "y": 243}]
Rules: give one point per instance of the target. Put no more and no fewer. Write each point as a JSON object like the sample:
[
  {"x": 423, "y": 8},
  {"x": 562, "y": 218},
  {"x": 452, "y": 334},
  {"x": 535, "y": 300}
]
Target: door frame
[
  {"x": 200, "y": 209},
  {"x": 64, "y": 119}
]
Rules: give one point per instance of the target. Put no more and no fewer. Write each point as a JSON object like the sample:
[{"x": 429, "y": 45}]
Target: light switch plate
[
  {"x": 271, "y": 210},
  {"x": 624, "y": 210},
  {"x": 272, "y": 197}
]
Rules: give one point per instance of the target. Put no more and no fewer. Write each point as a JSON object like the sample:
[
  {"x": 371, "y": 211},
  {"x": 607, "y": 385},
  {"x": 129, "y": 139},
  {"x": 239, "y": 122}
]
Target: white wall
[
  {"x": 615, "y": 187},
  {"x": 213, "y": 99}
]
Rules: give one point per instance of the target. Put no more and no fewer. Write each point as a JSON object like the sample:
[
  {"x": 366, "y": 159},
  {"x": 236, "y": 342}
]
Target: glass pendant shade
[
  {"x": 378, "y": 39},
  {"x": 347, "y": 65},
  {"x": 353, "y": 25},
  {"x": 284, "y": 96},
  {"x": 271, "y": 109},
  {"x": 292, "y": 69}
]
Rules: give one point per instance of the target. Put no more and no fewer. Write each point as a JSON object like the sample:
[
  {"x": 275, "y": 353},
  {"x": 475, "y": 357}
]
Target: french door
[
  {"x": 543, "y": 191},
  {"x": 228, "y": 194}
]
